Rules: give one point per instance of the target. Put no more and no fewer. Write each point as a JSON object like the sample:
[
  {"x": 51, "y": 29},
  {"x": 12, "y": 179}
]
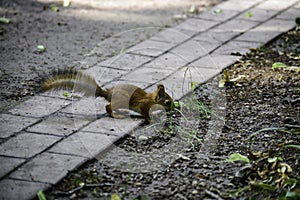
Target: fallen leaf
[
  {"x": 237, "y": 157},
  {"x": 4, "y": 20},
  {"x": 278, "y": 65},
  {"x": 66, "y": 3},
  {"x": 218, "y": 11}
]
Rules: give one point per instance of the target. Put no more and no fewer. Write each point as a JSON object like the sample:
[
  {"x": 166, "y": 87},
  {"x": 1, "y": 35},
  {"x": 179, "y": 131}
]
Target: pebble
[{"x": 143, "y": 137}]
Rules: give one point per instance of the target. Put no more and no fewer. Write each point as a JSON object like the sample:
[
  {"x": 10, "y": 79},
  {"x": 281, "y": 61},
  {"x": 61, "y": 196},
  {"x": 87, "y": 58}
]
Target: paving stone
[
  {"x": 151, "y": 48},
  {"x": 60, "y": 125},
  {"x": 39, "y": 106},
  {"x": 257, "y": 14},
  {"x": 26, "y": 145},
  {"x": 215, "y": 37},
  {"x": 191, "y": 50},
  {"x": 103, "y": 74},
  {"x": 234, "y": 46},
  {"x": 227, "y": 10},
  {"x": 147, "y": 75},
  {"x": 11, "y": 124},
  {"x": 267, "y": 31},
  {"x": 111, "y": 126},
  {"x": 125, "y": 61},
  {"x": 236, "y": 26},
  {"x": 89, "y": 107},
  {"x": 169, "y": 61},
  {"x": 218, "y": 62},
  {"x": 121, "y": 82},
  {"x": 8, "y": 164},
  {"x": 84, "y": 144},
  {"x": 17, "y": 189},
  {"x": 289, "y": 14},
  {"x": 278, "y": 5},
  {"x": 179, "y": 84},
  {"x": 197, "y": 25},
  {"x": 266, "y": 10},
  {"x": 47, "y": 168},
  {"x": 172, "y": 35}
]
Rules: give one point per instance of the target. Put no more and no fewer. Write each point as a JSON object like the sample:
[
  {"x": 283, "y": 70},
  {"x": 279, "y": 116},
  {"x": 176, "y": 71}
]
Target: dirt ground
[
  {"x": 70, "y": 33},
  {"x": 255, "y": 154}
]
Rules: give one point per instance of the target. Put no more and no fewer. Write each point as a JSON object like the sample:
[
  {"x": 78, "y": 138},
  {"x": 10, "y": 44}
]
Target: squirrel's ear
[{"x": 160, "y": 93}]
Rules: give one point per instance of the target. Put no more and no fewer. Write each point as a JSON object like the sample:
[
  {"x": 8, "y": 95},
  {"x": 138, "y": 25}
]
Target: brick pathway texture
[{"x": 46, "y": 136}]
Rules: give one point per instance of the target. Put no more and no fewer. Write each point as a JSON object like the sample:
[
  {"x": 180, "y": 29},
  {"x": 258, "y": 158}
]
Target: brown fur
[{"x": 120, "y": 98}]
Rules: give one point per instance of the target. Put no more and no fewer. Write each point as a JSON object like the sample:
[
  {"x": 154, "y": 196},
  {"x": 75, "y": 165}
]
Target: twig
[{"x": 213, "y": 195}]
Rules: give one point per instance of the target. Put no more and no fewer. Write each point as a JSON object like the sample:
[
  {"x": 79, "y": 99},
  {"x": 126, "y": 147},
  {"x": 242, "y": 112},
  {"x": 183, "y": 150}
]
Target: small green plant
[
  {"x": 248, "y": 14},
  {"x": 54, "y": 8},
  {"x": 41, "y": 195}
]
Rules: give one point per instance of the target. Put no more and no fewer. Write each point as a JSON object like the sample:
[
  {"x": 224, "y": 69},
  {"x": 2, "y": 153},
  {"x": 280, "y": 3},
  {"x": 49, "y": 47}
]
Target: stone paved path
[{"x": 45, "y": 137}]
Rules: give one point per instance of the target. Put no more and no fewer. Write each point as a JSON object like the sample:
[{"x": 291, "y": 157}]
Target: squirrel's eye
[{"x": 168, "y": 103}]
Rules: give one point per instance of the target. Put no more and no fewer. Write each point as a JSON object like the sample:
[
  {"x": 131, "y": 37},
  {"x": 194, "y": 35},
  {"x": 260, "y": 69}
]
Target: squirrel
[{"x": 125, "y": 96}]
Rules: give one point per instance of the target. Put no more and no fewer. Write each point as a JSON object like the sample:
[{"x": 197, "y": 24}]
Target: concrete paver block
[
  {"x": 8, "y": 164},
  {"x": 11, "y": 124},
  {"x": 121, "y": 82},
  {"x": 147, "y": 75},
  {"x": 84, "y": 144},
  {"x": 235, "y": 46},
  {"x": 111, "y": 126},
  {"x": 151, "y": 48},
  {"x": 190, "y": 50},
  {"x": 215, "y": 37},
  {"x": 17, "y": 189},
  {"x": 196, "y": 25},
  {"x": 227, "y": 10},
  {"x": 289, "y": 14},
  {"x": 169, "y": 61},
  {"x": 171, "y": 35},
  {"x": 257, "y": 14},
  {"x": 89, "y": 107},
  {"x": 276, "y": 4},
  {"x": 60, "y": 125},
  {"x": 236, "y": 26},
  {"x": 47, "y": 168},
  {"x": 26, "y": 145},
  {"x": 266, "y": 10},
  {"x": 39, "y": 106},
  {"x": 125, "y": 61},
  {"x": 179, "y": 83},
  {"x": 213, "y": 61},
  {"x": 103, "y": 74},
  {"x": 267, "y": 31}
]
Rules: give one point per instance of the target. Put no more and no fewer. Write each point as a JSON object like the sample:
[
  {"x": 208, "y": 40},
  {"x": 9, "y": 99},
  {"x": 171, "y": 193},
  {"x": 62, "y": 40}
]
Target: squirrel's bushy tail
[{"x": 76, "y": 81}]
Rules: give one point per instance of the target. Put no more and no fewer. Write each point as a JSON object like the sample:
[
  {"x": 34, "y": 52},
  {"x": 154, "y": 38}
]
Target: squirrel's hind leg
[{"x": 118, "y": 115}]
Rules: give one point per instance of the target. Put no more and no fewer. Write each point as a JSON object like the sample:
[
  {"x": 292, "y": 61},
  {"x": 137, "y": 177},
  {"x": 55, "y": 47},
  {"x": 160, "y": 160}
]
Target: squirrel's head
[{"x": 163, "y": 98}]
